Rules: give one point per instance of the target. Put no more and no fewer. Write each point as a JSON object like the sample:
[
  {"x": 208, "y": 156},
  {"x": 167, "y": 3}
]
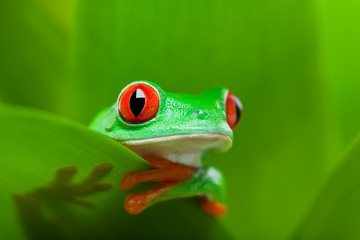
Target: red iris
[
  {"x": 233, "y": 110},
  {"x": 138, "y": 103}
]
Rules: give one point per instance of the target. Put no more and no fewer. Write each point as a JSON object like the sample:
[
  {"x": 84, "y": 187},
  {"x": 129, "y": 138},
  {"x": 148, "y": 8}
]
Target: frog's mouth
[{"x": 182, "y": 148}]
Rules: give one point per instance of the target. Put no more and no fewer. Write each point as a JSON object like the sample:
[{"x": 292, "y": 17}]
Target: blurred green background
[{"x": 295, "y": 65}]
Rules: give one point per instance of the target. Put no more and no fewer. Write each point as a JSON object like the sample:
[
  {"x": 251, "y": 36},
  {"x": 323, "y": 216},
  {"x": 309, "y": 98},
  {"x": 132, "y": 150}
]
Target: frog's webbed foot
[
  {"x": 135, "y": 203},
  {"x": 63, "y": 188},
  {"x": 167, "y": 173},
  {"x": 42, "y": 211}
]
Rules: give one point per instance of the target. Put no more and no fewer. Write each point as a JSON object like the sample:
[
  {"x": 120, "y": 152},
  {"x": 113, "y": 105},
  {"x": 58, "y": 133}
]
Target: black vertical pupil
[
  {"x": 137, "y": 102},
  {"x": 238, "y": 108}
]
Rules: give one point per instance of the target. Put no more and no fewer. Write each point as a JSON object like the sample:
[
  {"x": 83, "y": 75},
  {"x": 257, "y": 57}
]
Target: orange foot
[
  {"x": 166, "y": 172},
  {"x": 137, "y": 202},
  {"x": 212, "y": 207}
]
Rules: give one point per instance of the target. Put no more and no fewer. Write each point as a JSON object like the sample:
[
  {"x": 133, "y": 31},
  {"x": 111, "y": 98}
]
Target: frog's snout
[{"x": 200, "y": 114}]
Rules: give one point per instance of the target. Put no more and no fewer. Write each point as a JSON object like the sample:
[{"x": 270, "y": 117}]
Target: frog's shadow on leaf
[{"x": 31, "y": 206}]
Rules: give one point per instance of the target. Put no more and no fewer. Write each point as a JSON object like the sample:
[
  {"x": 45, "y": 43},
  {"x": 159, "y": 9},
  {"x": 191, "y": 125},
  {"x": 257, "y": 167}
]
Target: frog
[{"x": 173, "y": 132}]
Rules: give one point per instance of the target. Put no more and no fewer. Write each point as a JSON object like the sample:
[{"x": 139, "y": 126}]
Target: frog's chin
[{"x": 182, "y": 148}]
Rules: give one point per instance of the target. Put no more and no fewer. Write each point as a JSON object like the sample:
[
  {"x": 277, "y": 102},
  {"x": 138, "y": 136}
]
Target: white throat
[{"x": 186, "y": 149}]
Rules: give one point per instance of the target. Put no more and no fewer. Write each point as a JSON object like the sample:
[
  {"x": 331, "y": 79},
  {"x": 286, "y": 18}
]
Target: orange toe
[
  {"x": 214, "y": 208},
  {"x": 135, "y": 203},
  {"x": 129, "y": 181}
]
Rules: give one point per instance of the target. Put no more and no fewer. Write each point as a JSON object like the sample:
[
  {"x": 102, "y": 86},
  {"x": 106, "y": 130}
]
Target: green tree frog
[{"x": 172, "y": 132}]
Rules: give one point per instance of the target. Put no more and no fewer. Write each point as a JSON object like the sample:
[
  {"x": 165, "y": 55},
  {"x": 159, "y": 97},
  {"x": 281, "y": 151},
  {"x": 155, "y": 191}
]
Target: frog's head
[{"x": 178, "y": 127}]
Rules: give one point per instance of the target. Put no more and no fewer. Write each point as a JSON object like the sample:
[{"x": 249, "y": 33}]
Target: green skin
[{"x": 184, "y": 128}]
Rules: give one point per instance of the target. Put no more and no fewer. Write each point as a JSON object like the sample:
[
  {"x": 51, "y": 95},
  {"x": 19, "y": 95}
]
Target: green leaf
[
  {"x": 336, "y": 213},
  {"x": 35, "y": 147}
]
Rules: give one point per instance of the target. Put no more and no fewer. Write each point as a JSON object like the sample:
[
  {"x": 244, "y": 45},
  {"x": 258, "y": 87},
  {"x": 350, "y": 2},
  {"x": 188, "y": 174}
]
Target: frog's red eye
[
  {"x": 138, "y": 103},
  {"x": 233, "y": 110}
]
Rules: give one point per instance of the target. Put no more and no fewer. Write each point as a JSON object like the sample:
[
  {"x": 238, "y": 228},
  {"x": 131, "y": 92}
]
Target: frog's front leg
[
  {"x": 176, "y": 180},
  {"x": 166, "y": 172}
]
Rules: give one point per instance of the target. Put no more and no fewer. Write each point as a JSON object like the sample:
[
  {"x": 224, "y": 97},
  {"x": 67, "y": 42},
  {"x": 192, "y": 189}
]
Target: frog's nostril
[{"x": 200, "y": 114}]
